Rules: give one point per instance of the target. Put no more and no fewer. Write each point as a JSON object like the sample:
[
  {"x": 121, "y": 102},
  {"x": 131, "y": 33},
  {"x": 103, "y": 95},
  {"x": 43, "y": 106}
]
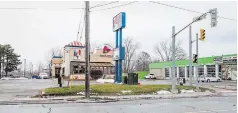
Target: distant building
[{"x": 225, "y": 65}]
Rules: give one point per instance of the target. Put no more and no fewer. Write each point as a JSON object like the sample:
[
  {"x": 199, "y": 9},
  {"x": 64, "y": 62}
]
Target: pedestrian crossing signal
[{"x": 202, "y": 34}]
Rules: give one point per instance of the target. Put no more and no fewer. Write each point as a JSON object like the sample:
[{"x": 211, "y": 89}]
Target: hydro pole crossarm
[{"x": 191, "y": 23}]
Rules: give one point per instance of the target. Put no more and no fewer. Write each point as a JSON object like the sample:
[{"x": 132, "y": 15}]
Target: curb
[{"x": 102, "y": 99}]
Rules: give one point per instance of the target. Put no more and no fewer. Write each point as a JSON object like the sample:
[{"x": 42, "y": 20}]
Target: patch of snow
[
  {"x": 105, "y": 80},
  {"x": 124, "y": 91},
  {"x": 163, "y": 92},
  {"x": 187, "y": 91},
  {"x": 80, "y": 93}
]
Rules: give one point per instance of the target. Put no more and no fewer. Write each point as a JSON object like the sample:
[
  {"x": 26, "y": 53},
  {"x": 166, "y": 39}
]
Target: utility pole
[
  {"x": 24, "y": 67},
  {"x": 87, "y": 43},
  {"x": 173, "y": 59},
  {"x": 190, "y": 55},
  {"x": 31, "y": 69},
  {"x": 197, "y": 85}
]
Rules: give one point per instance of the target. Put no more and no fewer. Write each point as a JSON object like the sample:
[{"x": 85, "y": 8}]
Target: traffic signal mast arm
[{"x": 191, "y": 23}]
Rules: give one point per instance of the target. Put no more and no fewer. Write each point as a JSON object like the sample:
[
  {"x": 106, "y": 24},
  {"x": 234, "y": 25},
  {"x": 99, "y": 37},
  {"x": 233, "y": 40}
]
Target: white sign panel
[
  {"x": 119, "y": 21},
  {"x": 213, "y": 13},
  {"x": 116, "y": 54}
]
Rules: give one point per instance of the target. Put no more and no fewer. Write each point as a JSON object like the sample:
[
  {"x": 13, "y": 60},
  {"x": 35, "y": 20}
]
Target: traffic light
[
  {"x": 202, "y": 34},
  {"x": 195, "y": 58}
]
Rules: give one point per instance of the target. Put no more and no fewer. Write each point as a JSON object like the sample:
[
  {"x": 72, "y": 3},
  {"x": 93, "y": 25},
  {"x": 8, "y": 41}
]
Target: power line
[
  {"x": 35, "y": 8},
  {"x": 82, "y": 32},
  {"x": 117, "y": 6},
  {"x": 100, "y": 5},
  {"x": 80, "y": 24},
  {"x": 188, "y": 10}
]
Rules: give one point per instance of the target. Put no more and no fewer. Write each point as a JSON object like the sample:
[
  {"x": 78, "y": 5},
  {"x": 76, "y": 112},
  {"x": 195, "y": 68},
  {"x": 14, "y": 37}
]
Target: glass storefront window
[
  {"x": 192, "y": 70},
  {"x": 175, "y": 71},
  {"x": 211, "y": 70},
  {"x": 200, "y": 70}
]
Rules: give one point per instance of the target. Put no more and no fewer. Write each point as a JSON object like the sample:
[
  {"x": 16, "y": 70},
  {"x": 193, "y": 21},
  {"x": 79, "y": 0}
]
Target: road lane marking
[{"x": 207, "y": 111}]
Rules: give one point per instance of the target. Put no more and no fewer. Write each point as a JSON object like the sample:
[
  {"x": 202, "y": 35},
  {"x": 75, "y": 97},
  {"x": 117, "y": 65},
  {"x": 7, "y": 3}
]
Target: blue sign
[{"x": 122, "y": 53}]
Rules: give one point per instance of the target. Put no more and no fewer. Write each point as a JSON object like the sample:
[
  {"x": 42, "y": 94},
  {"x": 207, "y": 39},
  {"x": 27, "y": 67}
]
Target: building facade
[
  {"x": 217, "y": 66},
  {"x": 56, "y": 66},
  {"x": 73, "y": 60}
]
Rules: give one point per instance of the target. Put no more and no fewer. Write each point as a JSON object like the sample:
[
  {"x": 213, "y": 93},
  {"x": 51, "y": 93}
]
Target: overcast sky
[{"x": 33, "y": 32}]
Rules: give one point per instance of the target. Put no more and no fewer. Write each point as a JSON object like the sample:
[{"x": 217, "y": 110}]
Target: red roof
[{"x": 75, "y": 43}]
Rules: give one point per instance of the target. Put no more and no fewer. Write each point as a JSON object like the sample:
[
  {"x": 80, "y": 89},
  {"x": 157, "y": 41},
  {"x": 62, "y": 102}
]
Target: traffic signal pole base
[
  {"x": 198, "y": 90},
  {"x": 174, "y": 91}
]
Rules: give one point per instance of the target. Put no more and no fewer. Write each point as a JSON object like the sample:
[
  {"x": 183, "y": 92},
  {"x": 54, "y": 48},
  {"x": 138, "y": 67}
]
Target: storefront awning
[{"x": 96, "y": 64}]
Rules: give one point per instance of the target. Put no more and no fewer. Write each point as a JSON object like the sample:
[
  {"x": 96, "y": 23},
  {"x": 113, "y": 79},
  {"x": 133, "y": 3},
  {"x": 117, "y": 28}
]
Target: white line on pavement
[{"x": 207, "y": 111}]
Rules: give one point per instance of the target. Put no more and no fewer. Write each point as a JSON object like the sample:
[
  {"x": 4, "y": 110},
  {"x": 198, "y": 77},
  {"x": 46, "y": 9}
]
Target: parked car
[
  {"x": 150, "y": 76},
  {"x": 44, "y": 76},
  {"x": 209, "y": 78},
  {"x": 36, "y": 77}
]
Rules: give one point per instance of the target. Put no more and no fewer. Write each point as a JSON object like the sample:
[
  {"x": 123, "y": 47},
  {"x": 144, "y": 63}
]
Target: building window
[
  {"x": 175, "y": 71},
  {"x": 181, "y": 71},
  {"x": 200, "y": 70},
  {"x": 211, "y": 70},
  {"x": 75, "y": 69},
  {"x": 166, "y": 72}
]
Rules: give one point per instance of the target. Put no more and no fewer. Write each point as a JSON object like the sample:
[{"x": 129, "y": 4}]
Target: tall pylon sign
[{"x": 119, "y": 22}]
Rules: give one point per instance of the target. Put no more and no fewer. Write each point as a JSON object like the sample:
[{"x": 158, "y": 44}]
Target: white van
[
  {"x": 44, "y": 76},
  {"x": 209, "y": 78},
  {"x": 150, "y": 76}
]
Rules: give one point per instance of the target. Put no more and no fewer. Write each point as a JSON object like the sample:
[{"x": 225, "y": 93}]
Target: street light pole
[
  {"x": 87, "y": 43},
  {"x": 173, "y": 59},
  {"x": 197, "y": 81},
  {"x": 24, "y": 67},
  {"x": 190, "y": 55}
]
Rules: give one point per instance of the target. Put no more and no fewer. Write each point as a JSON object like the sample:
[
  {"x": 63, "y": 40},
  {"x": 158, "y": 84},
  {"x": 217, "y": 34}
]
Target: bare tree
[
  {"x": 57, "y": 51},
  {"x": 40, "y": 67},
  {"x": 143, "y": 61},
  {"x": 164, "y": 51},
  {"x": 130, "y": 50},
  {"x": 95, "y": 45}
]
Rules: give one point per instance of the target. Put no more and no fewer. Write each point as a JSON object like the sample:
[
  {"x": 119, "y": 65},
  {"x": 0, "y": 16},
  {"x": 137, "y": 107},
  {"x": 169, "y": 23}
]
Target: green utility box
[{"x": 132, "y": 79}]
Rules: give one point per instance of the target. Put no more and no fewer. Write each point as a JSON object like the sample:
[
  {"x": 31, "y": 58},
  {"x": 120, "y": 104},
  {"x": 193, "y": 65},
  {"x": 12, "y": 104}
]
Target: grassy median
[{"x": 114, "y": 89}]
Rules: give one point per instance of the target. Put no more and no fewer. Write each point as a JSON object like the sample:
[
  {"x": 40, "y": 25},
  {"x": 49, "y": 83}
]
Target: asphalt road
[
  {"x": 24, "y": 88},
  {"x": 188, "y": 105}
]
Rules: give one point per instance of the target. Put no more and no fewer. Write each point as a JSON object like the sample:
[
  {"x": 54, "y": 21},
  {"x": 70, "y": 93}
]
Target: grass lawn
[{"x": 114, "y": 89}]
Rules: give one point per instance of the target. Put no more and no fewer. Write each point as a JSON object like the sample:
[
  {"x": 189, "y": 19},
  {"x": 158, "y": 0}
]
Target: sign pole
[
  {"x": 120, "y": 59},
  {"x": 116, "y": 65}
]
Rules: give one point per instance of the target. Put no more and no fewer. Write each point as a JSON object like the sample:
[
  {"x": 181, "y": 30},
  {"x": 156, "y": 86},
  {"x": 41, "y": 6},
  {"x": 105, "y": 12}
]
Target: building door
[{"x": 57, "y": 72}]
